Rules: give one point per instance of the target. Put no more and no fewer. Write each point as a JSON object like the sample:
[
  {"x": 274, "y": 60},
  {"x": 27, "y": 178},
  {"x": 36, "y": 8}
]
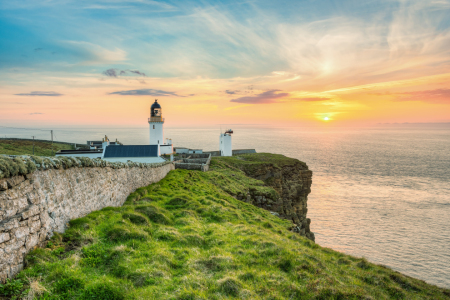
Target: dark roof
[
  {"x": 131, "y": 151},
  {"x": 155, "y": 105},
  {"x": 80, "y": 151}
]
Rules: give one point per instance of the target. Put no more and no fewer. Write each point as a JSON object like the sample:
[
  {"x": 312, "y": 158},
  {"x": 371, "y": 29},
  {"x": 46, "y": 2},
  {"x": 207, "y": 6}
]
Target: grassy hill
[
  {"x": 25, "y": 147},
  {"x": 185, "y": 237}
]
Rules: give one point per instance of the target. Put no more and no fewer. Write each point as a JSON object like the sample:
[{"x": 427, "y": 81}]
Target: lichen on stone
[{"x": 14, "y": 165}]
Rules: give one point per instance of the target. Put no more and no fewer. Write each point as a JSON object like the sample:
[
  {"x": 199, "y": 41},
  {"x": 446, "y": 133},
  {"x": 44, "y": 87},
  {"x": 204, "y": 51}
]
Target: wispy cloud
[
  {"x": 263, "y": 98},
  {"x": 36, "y": 113},
  {"x": 312, "y": 99},
  {"x": 116, "y": 73},
  {"x": 434, "y": 96},
  {"x": 94, "y": 54},
  {"x": 37, "y": 93},
  {"x": 145, "y": 92},
  {"x": 230, "y": 92}
]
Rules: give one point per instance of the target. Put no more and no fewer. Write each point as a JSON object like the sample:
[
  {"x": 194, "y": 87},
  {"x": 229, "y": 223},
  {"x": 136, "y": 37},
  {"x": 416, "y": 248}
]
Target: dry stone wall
[{"x": 33, "y": 206}]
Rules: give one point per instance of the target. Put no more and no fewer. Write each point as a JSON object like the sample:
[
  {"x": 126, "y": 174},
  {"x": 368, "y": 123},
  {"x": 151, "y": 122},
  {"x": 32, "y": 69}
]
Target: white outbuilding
[{"x": 225, "y": 143}]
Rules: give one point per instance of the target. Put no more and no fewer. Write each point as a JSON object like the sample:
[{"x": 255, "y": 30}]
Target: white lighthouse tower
[
  {"x": 225, "y": 143},
  {"x": 156, "y": 122}
]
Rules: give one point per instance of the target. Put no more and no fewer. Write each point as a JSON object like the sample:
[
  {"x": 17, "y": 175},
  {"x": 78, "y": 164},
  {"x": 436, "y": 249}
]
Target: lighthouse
[
  {"x": 156, "y": 122},
  {"x": 225, "y": 143}
]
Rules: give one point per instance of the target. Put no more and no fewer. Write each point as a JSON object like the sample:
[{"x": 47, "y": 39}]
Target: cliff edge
[{"x": 289, "y": 177}]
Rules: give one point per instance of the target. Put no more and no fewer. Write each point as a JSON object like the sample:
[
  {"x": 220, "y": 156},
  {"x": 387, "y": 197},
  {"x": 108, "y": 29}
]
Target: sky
[{"x": 287, "y": 63}]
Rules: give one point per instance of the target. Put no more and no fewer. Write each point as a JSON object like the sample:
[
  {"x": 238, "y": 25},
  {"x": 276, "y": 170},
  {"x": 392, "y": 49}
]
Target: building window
[
  {"x": 153, "y": 126},
  {"x": 158, "y": 142}
]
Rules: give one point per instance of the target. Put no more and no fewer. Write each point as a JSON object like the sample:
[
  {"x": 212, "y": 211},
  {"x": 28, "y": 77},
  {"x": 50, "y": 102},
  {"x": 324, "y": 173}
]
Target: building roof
[
  {"x": 80, "y": 151},
  {"x": 155, "y": 104},
  {"x": 131, "y": 151}
]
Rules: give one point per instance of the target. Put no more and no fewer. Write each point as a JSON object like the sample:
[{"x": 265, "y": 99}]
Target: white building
[
  {"x": 95, "y": 149},
  {"x": 225, "y": 143},
  {"x": 156, "y": 122}
]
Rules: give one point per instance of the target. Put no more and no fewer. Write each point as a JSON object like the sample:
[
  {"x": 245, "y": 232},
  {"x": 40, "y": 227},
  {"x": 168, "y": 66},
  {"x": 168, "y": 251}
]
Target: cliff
[
  {"x": 38, "y": 196},
  {"x": 289, "y": 177}
]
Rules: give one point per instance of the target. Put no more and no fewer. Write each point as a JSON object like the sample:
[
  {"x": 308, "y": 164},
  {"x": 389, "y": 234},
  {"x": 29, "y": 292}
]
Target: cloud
[
  {"x": 230, "y": 92},
  {"x": 116, "y": 73},
  {"x": 145, "y": 92},
  {"x": 110, "y": 73},
  {"x": 435, "y": 96},
  {"x": 94, "y": 54},
  {"x": 36, "y": 113},
  {"x": 263, "y": 98},
  {"x": 36, "y": 93},
  {"x": 38, "y": 49},
  {"x": 312, "y": 99},
  {"x": 136, "y": 72}
]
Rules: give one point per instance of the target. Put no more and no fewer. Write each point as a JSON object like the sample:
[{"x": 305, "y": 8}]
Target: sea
[{"x": 380, "y": 192}]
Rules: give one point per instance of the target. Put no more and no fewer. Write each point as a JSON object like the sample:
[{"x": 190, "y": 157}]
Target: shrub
[
  {"x": 94, "y": 255},
  {"x": 285, "y": 265},
  {"x": 120, "y": 233},
  {"x": 229, "y": 286},
  {"x": 103, "y": 291},
  {"x": 363, "y": 264},
  {"x": 66, "y": 285},
  {"x": 135, "y": 218},
  {"x": 80, "y": 223},
  {"x": 267, "y": 225},
  {"x": 11, "y": 287},
  {"x": 176, "y": 203},
  {"x": 155, "y": 214},
  {"x": 343, "y": 261},
  {"x": 247, "y": 276}
]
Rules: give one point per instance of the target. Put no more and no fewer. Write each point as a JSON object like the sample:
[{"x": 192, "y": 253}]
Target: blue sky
[{"x": 293, "y": 47}]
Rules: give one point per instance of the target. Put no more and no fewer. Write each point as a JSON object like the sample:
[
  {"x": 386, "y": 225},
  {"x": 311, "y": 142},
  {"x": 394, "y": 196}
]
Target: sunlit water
[{"x": 380, "y": 193}]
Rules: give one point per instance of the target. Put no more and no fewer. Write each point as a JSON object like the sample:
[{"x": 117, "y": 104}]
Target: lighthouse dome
[
  {"x": 155, "y": 109},
  {"x": 155, "y": 104}
]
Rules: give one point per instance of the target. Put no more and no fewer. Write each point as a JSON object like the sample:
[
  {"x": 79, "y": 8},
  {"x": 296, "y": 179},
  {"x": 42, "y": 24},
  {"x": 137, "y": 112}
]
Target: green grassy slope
[
  {"x": 185, "y": 237},
  {"x": 23, "y": 147}
]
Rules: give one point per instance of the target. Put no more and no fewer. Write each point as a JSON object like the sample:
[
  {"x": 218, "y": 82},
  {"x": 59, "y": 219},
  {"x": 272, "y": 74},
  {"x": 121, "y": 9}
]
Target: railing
[{"x": 156, "y": 119}]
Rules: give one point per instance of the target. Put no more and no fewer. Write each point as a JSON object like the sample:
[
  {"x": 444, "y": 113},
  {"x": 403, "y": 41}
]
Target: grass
[
  {"x": 24, "y": 147},
  {"x": 186, "y": 237}
]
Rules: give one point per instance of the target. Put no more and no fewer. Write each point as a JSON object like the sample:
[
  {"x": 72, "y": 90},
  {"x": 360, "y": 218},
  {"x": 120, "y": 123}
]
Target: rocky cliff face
[{"x": 291, "y": 179}]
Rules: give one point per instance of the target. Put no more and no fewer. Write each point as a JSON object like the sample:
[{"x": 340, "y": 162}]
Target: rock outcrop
[
  {"x": 34, "y": 205},
  {"x": 291, "y": 179}
]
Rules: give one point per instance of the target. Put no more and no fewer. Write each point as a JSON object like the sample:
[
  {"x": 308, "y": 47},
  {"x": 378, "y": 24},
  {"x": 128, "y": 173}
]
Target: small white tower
[
  {"x": 156, "y": 122},
  {"x": 105, "y": 142},
  {"x": 225, "y": 143}
]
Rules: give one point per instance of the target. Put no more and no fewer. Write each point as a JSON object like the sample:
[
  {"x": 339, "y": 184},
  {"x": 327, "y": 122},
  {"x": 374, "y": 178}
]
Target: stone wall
[
  {"x": 234, "y": 152},
  {"x": 33, "y": 206},
  {"x": 194, "y": 162}
]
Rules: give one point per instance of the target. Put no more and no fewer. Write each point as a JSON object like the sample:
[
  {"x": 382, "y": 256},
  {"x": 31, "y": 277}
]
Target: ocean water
[{"x": 382, "y": 193}]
